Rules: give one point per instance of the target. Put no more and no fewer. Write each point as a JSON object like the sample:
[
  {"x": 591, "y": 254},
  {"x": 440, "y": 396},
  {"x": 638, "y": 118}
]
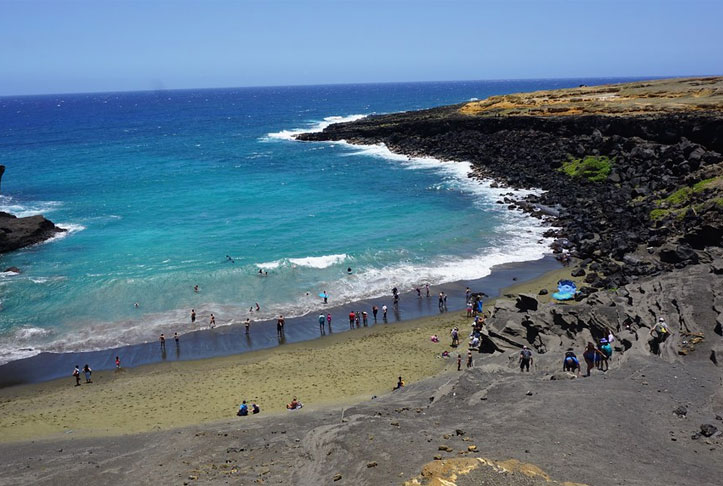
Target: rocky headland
[
  {"x": 16, "y": 233},
  {"x": 632, "y": 173}
]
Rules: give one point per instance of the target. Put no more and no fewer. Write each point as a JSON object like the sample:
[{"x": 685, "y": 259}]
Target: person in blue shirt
[{"x": 243, "y": 409}]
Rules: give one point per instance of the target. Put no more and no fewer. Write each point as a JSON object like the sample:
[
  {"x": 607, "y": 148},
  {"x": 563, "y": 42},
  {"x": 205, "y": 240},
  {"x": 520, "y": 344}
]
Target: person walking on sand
[
  {"x": 76, "y": 374},
  {"x": 193, "y": 316},
  {"x": 162, "y": 339},
  {"x": 322, "y": 321},
  {"x": 247, "y": 325},
  {"x": 280, "y": 322},
  {"x": 469, "y": 359},
  {"x": 212, "y": 321},
  {"x": 375, "y": 309},
  {"x": 459, "y": 362},
  {"x": 88, "y": 372},
  {"x": 526, "y": 359}
]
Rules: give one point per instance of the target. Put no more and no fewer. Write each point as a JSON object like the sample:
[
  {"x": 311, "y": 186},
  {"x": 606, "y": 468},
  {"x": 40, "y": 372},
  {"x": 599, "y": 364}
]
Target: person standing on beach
[
  {"x": 375, "y": 309},
  {"x": 525, "y": 359},
  {"x": 459, "y": 362},
  {"x": 455, "y": 337},
  {"x": 469, "y": 359},
  {"x": 193, "y": 316},
  {"x": 247, "y": 325},
  {"x": 364, "y": 318},
  {"x": 384, "y": 312},
  {"x": 328, "y": 320},
  {"x": 467, "y": 294},
  {"x": 117, "y": 363},
  {"x": 326, "y": 297},
  {"x": 357, "y": 318},
  {"x": 163, "y": 342},
  {"x": 352, "y": 318},
  {"x": 212, "y": 321},
  {"x": 426, "y": 286},
  {"x": 419, "y": 292},
  {"x": 175, "y": 337},
  {"x": 76, "y": 374},
  {"x": 88, "y": 372},
  {"x": 322, "y": 321},
  {"x": 280, "y": 325},
  {"x": 441, "y": 300}
]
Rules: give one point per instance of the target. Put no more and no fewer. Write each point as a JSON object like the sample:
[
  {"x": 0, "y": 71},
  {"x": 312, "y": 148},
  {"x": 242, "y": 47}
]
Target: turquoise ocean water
[{"x": 157, "y": 188}]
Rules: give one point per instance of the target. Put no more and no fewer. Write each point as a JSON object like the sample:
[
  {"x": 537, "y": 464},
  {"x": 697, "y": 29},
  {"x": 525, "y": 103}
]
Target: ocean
[{"x": 165, "y": 191}]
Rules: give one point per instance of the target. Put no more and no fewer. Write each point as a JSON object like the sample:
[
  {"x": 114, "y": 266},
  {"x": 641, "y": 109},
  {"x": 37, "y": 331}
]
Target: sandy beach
[{"x": 338, "y": 368}]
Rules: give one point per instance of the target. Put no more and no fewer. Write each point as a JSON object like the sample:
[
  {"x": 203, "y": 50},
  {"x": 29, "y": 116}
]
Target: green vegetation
[
  {"x": 678, "y": 202},
  {"x": 594, "y": 169}
]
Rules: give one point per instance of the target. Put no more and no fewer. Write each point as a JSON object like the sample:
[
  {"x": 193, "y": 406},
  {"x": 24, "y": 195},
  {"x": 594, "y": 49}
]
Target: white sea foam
[
  {"x": 8, "y": 204},
  {"x": 319, "y": 262},
  {"x": 316, "y": 127},
  {"x": 69, "y": 228}
]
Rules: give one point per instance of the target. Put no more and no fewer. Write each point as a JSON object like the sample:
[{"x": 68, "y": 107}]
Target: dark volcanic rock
[
  {"x": 526, "y": 302},
  {"x": 653, "y": 156},
  {"x": 17, "y": 232}
]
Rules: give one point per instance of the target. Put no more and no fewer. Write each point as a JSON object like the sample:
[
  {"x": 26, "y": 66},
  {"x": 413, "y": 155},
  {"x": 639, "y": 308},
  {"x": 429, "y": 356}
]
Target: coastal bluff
[{"x": 632, "y": 173}]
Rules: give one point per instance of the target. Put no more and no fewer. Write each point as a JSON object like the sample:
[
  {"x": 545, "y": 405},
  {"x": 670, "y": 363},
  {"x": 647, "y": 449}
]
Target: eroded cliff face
[{"x": 620, "y": 188}]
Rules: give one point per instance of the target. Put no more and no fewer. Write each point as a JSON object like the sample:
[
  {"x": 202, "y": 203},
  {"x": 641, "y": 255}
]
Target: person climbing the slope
[
  {"x": 526, "y": 359},
  {"x": 571, "y": 363}
]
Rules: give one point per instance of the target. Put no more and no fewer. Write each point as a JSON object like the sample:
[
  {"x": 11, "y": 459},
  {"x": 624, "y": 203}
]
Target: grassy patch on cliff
[
  {"x": 592, "y": 168},
  {"x": 678, "y": 202}
]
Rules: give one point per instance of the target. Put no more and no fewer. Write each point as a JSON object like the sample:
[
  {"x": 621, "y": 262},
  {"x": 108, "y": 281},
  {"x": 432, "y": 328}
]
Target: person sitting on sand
[
  {"x": 243, "y": 410},
  {"x": 445, "y": 354},
  {"x": 400, "y": 384},
  {"x": 474, "y": 342},
  {"x": 592, "y": 357},
  {"x": 571, "y": 363},
  {"x": 295, "y": 404},
  {"x": 434, "y": 338},
  {"x": 255, "y": 408}
]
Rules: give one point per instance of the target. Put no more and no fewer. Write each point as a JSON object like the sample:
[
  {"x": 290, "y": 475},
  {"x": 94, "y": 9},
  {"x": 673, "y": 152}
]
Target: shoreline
[
  {"x": 342, "y": 368},
  {"x": 229, "y": 340}
]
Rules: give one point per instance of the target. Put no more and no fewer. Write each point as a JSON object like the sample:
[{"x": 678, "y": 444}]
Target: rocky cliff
[{"x": 633, "y": 191}]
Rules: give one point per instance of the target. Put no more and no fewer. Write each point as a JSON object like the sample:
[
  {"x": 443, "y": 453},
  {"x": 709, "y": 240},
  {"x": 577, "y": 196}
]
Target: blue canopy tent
[{"x": 566, "y": 290}]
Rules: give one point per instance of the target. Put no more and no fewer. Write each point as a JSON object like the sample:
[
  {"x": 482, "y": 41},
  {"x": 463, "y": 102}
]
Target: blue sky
[{"x": 62, "y": 46}]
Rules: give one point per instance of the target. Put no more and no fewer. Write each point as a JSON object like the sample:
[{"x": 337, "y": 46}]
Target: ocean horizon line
[{"x": 351, "y": 84}]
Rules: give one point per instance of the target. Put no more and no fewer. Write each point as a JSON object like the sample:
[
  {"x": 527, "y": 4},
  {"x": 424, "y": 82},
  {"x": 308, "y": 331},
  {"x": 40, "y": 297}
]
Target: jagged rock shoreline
[{"x": 648, "y": 197}]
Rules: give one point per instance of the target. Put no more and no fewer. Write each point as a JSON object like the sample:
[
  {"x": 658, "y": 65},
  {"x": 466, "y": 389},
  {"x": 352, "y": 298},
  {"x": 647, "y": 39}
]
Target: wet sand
[
  {"x": 338, "y": 368},
  {"x": 227, "y": 340}
]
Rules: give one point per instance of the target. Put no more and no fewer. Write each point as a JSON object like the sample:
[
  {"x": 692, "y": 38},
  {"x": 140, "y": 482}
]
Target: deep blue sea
[{"x": 156, "y": 189}]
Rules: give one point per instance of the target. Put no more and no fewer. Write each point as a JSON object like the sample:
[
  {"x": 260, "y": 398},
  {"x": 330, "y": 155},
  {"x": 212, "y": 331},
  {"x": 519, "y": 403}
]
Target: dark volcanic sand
[{"x": 611, "y": 429}]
